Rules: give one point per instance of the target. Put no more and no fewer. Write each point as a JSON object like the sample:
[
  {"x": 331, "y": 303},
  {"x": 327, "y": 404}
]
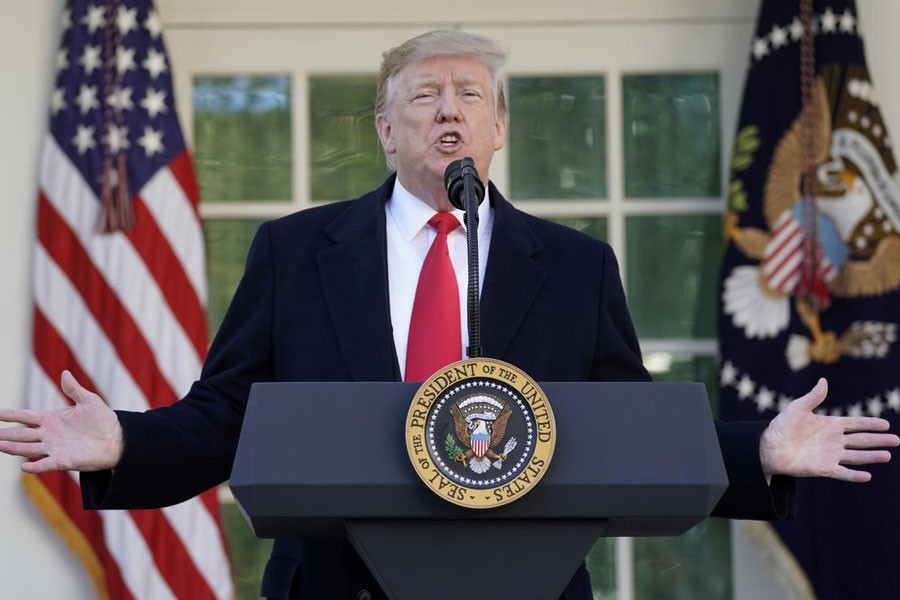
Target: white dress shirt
[{"x": 408, "y": 239}]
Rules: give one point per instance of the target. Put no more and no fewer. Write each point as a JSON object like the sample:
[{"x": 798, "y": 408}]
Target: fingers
[
  {"x": 45, "y": 465},
  {"x": 871, "y": 440},
  {"x": 864, "y": 457},
  {"x": 24, "y": 449},
  {"x": 22, "y": 441},
  {"x": 813, "y": 397},
  {"x": 71, "y": 387},
  {"x": 19, "y": 434},
  {"x": 844, "y": 474},
  {"x": 20, "y": 415},
  {"x": 865, "y": 424}
]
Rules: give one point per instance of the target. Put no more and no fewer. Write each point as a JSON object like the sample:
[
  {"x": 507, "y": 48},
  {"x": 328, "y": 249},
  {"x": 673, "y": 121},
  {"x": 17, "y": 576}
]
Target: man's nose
[{"x": 448, "y": 108}]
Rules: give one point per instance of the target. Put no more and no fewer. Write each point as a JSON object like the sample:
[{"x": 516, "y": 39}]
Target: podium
[{"x": 329, "y": 459}]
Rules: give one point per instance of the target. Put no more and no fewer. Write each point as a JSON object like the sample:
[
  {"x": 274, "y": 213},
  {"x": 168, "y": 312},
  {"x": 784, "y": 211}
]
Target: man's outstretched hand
[
  {"x": 801, "y": 443},
  {"x": 83, "y": 437}
]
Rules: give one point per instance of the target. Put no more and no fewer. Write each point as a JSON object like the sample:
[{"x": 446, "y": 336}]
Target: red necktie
[{"x": 434, "y": 329}]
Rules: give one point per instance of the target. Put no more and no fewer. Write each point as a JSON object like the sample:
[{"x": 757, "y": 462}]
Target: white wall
[
  {"x": 880, "y": 22},
  {"x": 33, "y": 564}
]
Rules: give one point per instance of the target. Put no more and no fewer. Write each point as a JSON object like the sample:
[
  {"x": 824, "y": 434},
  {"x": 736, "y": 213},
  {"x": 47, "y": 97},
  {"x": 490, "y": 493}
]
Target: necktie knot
[{"x": 443, "y": 222}]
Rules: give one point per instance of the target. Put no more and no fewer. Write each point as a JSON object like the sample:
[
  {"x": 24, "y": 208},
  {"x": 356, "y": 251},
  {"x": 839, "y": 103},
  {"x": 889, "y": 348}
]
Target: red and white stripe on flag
[
  {"x": 783, "y": 256},
  {"x": 124, "y": 311}
]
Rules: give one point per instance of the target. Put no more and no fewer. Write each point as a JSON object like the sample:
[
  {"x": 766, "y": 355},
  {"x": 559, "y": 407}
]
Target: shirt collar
[{"x": 412, "y": 214}]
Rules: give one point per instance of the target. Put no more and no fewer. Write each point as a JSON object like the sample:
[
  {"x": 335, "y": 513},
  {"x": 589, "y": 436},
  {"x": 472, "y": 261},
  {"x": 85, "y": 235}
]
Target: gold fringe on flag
[
  {"x": 784, "y": 569},
  {"x": 66, "y": 529}
]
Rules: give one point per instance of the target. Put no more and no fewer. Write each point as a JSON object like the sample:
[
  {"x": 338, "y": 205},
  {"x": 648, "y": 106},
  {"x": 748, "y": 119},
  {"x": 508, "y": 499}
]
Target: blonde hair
[{"x": 440, "y": 43}]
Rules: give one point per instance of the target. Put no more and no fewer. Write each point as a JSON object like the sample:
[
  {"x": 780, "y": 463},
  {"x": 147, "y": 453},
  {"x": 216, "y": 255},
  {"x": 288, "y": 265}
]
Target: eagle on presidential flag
[{"x": 810, "y": 283}]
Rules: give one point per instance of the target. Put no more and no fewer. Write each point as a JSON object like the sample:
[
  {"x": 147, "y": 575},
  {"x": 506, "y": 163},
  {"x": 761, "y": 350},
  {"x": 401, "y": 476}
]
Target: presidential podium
[{"x": 329, "y": 459}]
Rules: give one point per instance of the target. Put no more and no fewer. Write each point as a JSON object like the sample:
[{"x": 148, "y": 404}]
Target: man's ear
[
  {"x": 385, "y": 133},
  {"x": 499, "y": 131}
]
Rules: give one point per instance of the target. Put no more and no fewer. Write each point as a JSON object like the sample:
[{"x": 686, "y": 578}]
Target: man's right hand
[{"x": 84, "y": 437}]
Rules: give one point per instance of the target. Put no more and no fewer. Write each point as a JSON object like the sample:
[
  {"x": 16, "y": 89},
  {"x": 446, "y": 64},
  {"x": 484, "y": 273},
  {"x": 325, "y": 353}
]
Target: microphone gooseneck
[{"x": 466, "y": 192}]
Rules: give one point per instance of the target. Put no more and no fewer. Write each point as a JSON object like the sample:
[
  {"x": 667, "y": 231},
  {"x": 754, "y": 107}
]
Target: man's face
[{"x": 441, "y": 109}]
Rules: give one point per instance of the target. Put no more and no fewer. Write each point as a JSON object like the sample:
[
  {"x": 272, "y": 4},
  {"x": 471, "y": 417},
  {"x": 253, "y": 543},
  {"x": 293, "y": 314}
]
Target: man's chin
[
  {"x": 435, "y": 168},
  {"x": 427, "y": 184},
  {"x": 442, "y": 161}
]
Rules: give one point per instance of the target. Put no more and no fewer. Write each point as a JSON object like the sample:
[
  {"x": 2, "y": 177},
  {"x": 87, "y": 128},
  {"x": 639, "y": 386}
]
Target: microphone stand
[
  {"x": 466, "y": 191},
  {"x": 471, "y": 211}
]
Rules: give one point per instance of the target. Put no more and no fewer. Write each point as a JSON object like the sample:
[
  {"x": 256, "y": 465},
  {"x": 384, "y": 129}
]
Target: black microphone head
[{"x": 453, "y": 181}]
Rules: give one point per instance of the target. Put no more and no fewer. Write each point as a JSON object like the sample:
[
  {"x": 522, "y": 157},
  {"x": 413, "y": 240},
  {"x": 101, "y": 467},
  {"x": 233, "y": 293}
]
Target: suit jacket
[{"x": 313, "y": 306}]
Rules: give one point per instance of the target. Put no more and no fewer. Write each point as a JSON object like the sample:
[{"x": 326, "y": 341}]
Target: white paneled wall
[{"x": 33, "y": 563}]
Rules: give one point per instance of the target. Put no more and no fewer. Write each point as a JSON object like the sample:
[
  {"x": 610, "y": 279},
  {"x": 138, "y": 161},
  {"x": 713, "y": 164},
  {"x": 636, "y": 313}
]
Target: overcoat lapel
[
  {"x": 354, "y": 280},
  {"x": 512, "y": 279}
]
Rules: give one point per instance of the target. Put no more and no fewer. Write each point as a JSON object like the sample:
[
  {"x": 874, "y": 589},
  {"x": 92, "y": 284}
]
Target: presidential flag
[
  {"x": 119, "y": 288},
  {"x": 811, "y": 274}
]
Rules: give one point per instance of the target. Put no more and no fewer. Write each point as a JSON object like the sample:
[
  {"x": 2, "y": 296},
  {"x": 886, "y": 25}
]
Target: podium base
[{"x": 473, "y": 560}]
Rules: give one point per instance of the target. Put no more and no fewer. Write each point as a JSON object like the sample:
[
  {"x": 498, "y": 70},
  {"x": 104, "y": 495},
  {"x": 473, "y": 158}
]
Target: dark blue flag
[{"x": 811, "y": 276}]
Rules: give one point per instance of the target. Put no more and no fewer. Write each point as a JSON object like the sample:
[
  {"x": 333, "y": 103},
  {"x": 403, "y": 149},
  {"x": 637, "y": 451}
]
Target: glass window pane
[
  {"x": 672, "y": 267},
  {"x": 557, "y": 137},
  {"x": 242, "y": 137},
  {"x": 695, "y": 565},
  {"x": 601, "y": 564},
  {"x": 347, "y": 160},
  {"x": 227, "y": 243},
  {"x": 672, "y": 136},
  {"x": 592, "y": 226},
  {"x": 675, "y": 366},
  {"x": 248, "y": 554}
]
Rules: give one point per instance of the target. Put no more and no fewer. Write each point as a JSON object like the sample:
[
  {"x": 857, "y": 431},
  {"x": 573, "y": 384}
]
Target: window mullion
[{"x": 615, "y": 170}]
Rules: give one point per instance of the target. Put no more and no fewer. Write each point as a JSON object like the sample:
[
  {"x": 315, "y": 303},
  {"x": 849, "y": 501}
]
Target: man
[{"x": 332, "y": 294}]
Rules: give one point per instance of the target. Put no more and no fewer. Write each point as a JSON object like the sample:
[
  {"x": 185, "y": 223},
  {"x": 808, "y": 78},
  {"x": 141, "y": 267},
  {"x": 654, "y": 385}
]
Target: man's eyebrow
[
  {"x": 435, "y": 82},
  {"x": 420, "y": 83},
  {"x": 466, "y": 81}
]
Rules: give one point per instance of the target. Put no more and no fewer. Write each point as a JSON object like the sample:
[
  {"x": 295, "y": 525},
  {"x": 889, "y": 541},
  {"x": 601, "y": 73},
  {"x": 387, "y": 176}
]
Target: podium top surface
[{"x": 318, "y": 452}]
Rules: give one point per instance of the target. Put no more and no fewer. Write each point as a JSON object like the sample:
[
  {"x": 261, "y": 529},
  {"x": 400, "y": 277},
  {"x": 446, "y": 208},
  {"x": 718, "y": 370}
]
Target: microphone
[
  {"x": 466, "y": 192},
  {"x": 454, "y": 180}
]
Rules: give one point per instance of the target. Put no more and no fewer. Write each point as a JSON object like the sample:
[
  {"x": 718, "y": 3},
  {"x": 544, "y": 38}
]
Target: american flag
[
  {"x": 119, "y": 288},
  {"x": 783, "y": 255}
]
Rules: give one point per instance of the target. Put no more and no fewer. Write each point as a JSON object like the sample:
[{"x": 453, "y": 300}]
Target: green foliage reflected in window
[
  {"x": 672, "y": 366},
  {"x": 242, "y": 137},
  {"x": 346, "y": 155},
  {"x": 694, "y": 565},
  {"x": 227, "y": 243},
  {"x": 557, "y": 137},
  {"x": 673, "y": 264},
  {"x": 592, "y": 226},
  {"x": 601, "y": 564},
  {"x": 248, "y": 554},
  {"x": 672, "y": 135}
]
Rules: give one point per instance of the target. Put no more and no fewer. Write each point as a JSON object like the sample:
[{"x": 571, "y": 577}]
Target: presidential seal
[{"x": 480, "y": 433}]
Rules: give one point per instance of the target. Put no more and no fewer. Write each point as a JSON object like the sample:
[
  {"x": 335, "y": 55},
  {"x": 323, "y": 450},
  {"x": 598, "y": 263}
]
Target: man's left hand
[{"x": 800, "y": 443}]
